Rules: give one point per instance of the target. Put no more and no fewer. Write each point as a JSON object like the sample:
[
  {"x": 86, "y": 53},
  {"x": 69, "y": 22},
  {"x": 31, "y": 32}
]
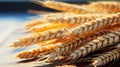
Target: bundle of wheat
[{"x": 69, "y": 37}]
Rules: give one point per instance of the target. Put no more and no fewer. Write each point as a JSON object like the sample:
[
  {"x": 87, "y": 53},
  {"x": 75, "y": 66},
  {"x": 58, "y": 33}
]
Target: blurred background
[{"x": 18, "y": 9}]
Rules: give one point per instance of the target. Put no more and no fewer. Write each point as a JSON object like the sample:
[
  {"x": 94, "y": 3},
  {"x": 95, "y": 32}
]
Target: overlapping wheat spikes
[
  {"x": 106, "y": 57},
  {"x": 71, "y": 35}
]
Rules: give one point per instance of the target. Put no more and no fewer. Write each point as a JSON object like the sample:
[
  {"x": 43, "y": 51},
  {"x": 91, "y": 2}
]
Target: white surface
[
  {"x": 6, "y": 28},
  {"x": 10, "y": 31}
]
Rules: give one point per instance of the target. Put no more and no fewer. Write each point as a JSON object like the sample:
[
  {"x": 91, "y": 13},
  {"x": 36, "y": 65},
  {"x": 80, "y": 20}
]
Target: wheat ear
[
  {"x": 50, "y": 26},
  {"x": 64, "y": 6},
  {"x": 36, "y": 38},
  {"x": 74, "y": 18},
  {"x": 97, "y": 23},
  {"x": 105, "y": 7},
  {"x": 37, "y": 51},
  {"x": 106, "y": 57}
]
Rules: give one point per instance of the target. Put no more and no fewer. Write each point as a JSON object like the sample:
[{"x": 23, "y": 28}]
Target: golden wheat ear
[
  {"x": 67, "y": 7},
  {"x": 74, "y": 18},
  {"x": 37, "y": 51},
  {"x": 106, "y": 57},
  {"x": 49, "y": 26},
  {"x": 105, "y": 7}
]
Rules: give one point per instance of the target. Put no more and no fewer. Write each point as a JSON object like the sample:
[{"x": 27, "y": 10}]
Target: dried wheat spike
[
  {"x": 52, "y": 34},
  {"x": 64, "y": 6},
  {"x": 36, "y": 38},
  {"x": 50, "y": 26},
  {"x": 105, "y": 7},
  {"x": 74, "y": 18},
  {"x": 106, "y": 57},
  {"x": 37, "y": 51},
  {"x": 65, "y": 45},
  {"x": 94, "y": 45},
  {"x": 97, "y": 23}
]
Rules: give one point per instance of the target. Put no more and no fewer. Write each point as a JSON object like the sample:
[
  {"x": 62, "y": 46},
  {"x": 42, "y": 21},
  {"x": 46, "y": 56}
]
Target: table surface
[{"x": 9, "y": 22}]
